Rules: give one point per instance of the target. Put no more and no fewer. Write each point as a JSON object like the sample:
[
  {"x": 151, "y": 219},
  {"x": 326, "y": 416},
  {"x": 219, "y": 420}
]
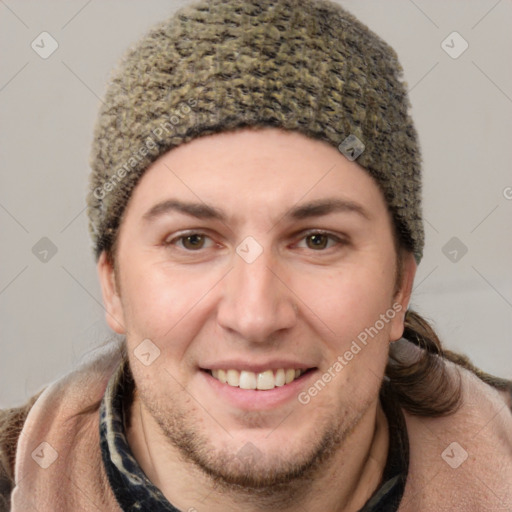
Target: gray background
[{"x": 51, "y": 312}]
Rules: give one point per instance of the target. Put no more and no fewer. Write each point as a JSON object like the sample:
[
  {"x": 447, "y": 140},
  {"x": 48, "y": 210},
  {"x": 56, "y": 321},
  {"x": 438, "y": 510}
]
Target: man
[{"x": 255, "y": 212}]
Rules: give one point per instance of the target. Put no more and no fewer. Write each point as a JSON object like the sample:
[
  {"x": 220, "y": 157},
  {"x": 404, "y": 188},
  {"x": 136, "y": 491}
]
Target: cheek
[
  {"x": 162, "y": 303},
  {"x": 353, "y": 315},
  {"x": 348, "y": 302}
]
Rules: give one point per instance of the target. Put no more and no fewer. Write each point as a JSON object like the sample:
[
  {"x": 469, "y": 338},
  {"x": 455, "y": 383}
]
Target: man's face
[{"x": 296, "y": 263}]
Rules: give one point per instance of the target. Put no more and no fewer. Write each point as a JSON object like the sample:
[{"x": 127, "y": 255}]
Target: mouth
[{"x": 261, "y": 381}]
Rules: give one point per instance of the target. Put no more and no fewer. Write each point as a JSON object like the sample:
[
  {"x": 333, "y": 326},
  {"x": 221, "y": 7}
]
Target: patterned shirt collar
[{"x": 134, "y": 491}]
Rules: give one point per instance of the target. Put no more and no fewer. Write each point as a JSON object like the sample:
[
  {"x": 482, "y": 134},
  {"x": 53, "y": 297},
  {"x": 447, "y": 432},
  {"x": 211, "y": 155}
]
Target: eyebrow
[
  {"x": 316, "y": 208},
  {"x": 321, "y": 207},
  {"x": 198, "y": 210}
]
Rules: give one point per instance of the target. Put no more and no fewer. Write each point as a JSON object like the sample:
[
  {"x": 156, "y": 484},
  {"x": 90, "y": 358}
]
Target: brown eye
[
  {"x": 317, "y": 241},
  {"x": 192, "y": 242},
  {"x": 320, "y": 241},
  {"x": 189, "y": 242}
]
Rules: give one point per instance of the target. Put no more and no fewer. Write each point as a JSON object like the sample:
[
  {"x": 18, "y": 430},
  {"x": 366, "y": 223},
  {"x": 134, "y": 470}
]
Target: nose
[{"x": 257, "y": 303}]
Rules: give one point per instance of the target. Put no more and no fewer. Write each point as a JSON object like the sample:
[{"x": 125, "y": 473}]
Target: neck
[{"x": 342, "y": 483}]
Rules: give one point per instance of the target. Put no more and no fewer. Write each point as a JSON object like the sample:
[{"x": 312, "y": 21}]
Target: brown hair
[
  {"x": 423, "y": 385},
  {"x": 421, "y": 379}
]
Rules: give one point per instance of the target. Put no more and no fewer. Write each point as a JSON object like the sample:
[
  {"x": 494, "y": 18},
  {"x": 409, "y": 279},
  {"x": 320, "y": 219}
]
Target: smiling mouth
[{"x": 262, "y": 381}]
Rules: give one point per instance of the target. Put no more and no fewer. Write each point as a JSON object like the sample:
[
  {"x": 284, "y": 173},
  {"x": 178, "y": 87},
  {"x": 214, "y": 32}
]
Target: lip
[
  {"x": 252, "y": 399},
  {"x": 275, "y": 364}
]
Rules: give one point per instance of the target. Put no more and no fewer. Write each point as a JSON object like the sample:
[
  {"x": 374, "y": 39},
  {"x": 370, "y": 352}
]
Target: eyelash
[{"x": 339, "y": 241}]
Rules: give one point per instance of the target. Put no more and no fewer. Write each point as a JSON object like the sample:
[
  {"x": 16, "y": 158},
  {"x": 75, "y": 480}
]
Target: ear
[
  {"x": 111, "y": 298},
  {"x": 403, "y": 295}
]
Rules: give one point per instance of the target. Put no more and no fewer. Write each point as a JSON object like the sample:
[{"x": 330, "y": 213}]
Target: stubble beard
[{"x": 268, "y": 481}]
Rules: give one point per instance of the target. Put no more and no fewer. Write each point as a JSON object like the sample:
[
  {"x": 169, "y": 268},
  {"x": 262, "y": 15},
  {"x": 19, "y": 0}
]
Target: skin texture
[{"x": 301, "y": 303}]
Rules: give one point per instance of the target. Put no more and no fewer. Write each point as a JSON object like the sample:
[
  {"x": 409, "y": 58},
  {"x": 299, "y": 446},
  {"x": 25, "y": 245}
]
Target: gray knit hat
[{"x": 217, "y": 65}]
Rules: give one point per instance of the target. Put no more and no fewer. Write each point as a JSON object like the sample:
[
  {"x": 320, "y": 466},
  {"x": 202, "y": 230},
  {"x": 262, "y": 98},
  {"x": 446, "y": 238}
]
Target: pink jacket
[{"x": 462, "y": 462}]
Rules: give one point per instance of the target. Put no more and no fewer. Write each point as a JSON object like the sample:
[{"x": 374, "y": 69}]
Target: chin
[{"x": 249, "y": 458}]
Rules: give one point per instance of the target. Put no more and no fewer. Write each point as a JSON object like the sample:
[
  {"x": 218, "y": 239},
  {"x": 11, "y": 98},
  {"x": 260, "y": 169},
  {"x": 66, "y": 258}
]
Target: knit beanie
[{"x": 302, "y": 65}]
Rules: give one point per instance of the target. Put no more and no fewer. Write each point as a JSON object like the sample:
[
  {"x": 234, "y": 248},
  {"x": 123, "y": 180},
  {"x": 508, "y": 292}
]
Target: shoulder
[
  {"x": 67, "y": 404},
  {"x": 11, "y": 424},
  {"x": 66, "y": 417},
  {"x": 463, "y": 461}
]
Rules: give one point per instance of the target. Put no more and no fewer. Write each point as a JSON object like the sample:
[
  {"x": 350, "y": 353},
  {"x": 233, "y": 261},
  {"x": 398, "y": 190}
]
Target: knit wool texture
[{"x": 217, "y": 65}]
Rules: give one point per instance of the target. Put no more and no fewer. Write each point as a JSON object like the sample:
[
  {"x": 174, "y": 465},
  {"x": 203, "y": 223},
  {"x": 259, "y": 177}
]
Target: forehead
[{"x": 253, "y": 169}]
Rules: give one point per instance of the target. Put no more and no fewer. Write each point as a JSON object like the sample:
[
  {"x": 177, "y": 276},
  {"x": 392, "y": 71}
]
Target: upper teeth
[{"x": 262, "y": 380}]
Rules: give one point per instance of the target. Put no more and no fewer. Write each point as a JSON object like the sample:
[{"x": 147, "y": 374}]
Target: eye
[
  {"x": 319, "y": 240},
  {"x": 190, "y": 241}
]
